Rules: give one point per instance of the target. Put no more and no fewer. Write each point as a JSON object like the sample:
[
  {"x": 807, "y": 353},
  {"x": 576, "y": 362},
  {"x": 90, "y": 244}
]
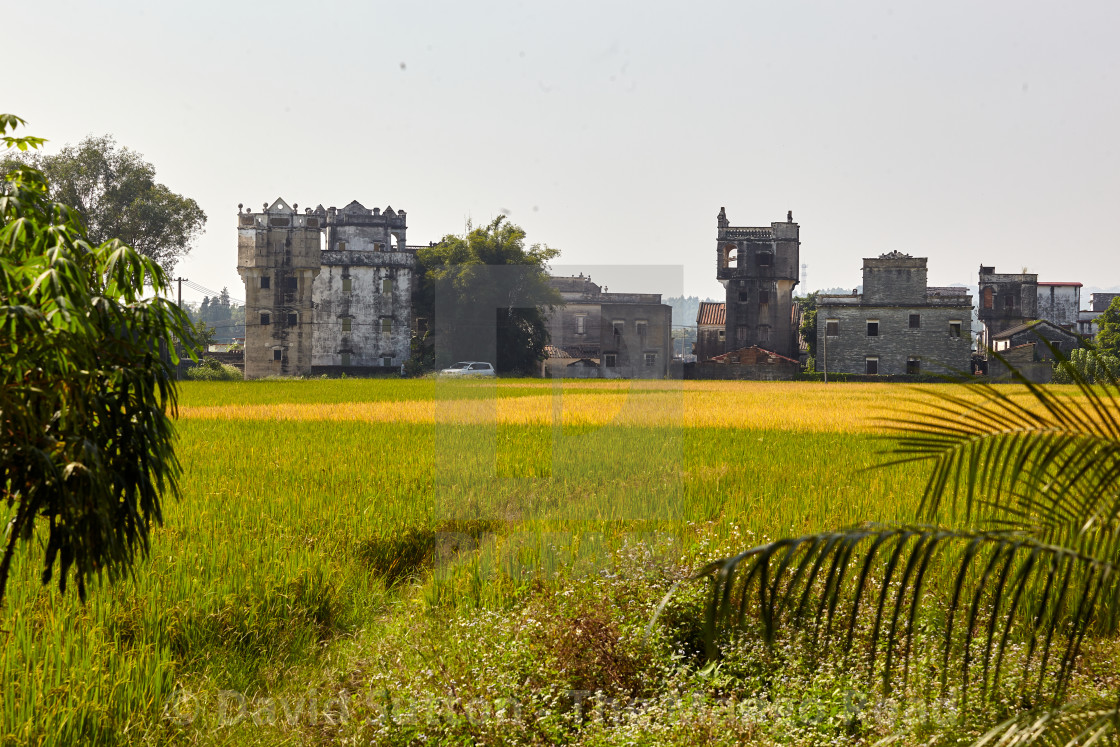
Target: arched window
[{"x": 730, "y": 255}]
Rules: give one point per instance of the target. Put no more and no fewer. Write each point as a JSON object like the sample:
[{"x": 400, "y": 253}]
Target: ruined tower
[
  {"x": 278, "y": 259},
  {"x": 1006, "y": 300},
  {"x": 759, "y": 269}
]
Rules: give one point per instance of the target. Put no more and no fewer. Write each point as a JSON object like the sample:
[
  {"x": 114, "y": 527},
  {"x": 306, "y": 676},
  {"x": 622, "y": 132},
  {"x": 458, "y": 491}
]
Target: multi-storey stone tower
[
  {"x": 363, "y": 297},
  {"x": 278, "y": 259},
  {"x": 759, "y": 269}
]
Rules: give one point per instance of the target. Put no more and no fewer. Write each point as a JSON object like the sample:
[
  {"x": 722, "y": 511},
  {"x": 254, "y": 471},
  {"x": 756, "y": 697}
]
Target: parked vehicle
[{"x": 469, "y": 368}]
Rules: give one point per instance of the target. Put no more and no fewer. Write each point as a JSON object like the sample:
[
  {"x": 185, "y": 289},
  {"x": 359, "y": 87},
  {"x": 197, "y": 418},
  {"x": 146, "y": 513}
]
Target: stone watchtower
[
  {"x": 759, "y": 268},
  {"x": 278, "y": 259}
]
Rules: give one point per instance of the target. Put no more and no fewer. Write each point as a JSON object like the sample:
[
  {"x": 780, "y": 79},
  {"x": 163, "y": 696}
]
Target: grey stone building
[
  {"x": 898, "y": 325},
  {"x": 1006, "y": 301},
  {"x": 759, "y": 268},
  {"x": 627, "y": 335},
  {"x": 326, "y": 291}
]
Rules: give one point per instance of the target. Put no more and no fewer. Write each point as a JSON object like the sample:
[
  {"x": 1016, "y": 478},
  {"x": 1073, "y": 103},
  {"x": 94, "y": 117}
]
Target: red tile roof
[{"x": 711, "y": 313}]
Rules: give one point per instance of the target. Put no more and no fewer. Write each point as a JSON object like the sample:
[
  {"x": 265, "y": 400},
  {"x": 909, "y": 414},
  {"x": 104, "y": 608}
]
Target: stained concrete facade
[
  {"x": 1006, "y": 301},
  {"x": 278, "y": 259},
  {"x": 327, "y": 291},
  {"x": 1059, "y": 303},
  {"x": 759, "y": 268},
  {"x": 627, "y": 335},
  {"x": 898, "y": 325}
]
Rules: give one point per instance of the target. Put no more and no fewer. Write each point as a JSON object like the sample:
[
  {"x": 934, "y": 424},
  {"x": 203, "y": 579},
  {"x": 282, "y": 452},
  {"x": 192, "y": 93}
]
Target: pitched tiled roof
[
  {"x": 759, "y": 352},
  {"x": 711, "y": 312}
]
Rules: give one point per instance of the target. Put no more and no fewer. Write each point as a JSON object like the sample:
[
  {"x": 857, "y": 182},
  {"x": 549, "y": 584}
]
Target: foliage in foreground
[
  {"x": 85, "y": 433},
  {"x": 1035, "y": 495}
]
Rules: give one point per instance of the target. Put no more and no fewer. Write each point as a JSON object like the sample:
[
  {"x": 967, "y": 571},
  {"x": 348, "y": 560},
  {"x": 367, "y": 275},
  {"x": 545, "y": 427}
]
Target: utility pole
[{"x": 179, "y": 365}]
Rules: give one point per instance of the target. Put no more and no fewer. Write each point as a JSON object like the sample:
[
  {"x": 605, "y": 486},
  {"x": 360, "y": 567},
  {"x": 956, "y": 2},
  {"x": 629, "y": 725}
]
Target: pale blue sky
[{"x": 965, "y": 132}]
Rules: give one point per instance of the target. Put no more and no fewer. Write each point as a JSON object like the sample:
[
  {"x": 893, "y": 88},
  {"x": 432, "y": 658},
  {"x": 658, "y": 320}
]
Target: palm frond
[
  {"x": 1074, "y": 725},
  {"x": 867, "y": 584}
]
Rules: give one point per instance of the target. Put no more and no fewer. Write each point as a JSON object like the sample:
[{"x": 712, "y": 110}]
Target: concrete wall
[
  {"x": 630, "y": 347},
  {"x": 366, "y": 306},
  {"x": 1005, "y": 301},
  {"x": 894, "y": 279},
  {"x": 1059, "y": 304}
]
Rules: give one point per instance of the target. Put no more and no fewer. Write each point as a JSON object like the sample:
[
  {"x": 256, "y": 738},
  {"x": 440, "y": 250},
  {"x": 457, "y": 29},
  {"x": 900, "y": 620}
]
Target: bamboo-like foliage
[{"x": 1016, "y": 542}]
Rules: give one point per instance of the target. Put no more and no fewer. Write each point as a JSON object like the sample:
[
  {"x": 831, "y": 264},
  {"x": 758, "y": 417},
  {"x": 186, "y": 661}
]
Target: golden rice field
[{"x": 383, "y": 541}]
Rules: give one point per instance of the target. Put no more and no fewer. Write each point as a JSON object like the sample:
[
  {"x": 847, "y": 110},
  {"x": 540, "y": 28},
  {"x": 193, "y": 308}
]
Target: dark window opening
[
  {"x": 913, "y": 366},
  {"x": 954, "y": 329},
  {"x": 915, "y": 321},
  {"x": 266, "y": 282},
  {"x": 266, "y": 319},
  {"x": 277, "y": 354},
  {"x": 743, "y": 297},
  {"x": 610, "y": 360},
  {"x": 342, "y": 246},
  {"x": 619, "y": 327},
  {"x": 651, "y": 360},
  {"x": 1009, "y": 302},
  {"x": 987, "y": 298},
  {"x": 346, "y": 324},
  {"x": 347, "y": 285},
  {"x": 765, "y": 259},
  {"x": 291, "y": 284},
  {"x": 640, "y": 328},
  {"x": 832, "y": 328},
  {"x": 293, "y": 320},
  {"x": 873, "y": 329},
  {"x": 872, "y": 366},
  {"x": 386, "y": 362},
  {"x": 763, "y": 297}
]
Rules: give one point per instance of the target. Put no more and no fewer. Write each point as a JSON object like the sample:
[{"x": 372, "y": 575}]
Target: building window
[
  {"x": 387, "y": 286},
  {"x": 581, "y": 324},
  {"x": 386, "y": 326},
  {"x": 347, "y": 285},
  {"x": 386, "y": 361},
  {"x": 871, "y": 366},
  {"x": 346, "y": 359},
  {"x": 293, "y": 319},
  {"x": 277, "y": 354},
  {"x": 763, "y": 333},
  {"x": 618, "y": 326},
  {"x": 987, "y": 298},
  {"x": 640, "y": 327},
  {"x": 832, "y": 328},
  {"x": 763, "y": 297},
  {"x": 610, "y": 360},
  {"x": 872, "y": 328},
  {"x": 743, "y": 297},
  {"x": 914, "y": 366},
  {"x": 954, "y": 329},
  {"x": 651, "y": 360},
  {"x": 291, "y": 284},
  {"x": 722, "y": 335},
  {"x": 741, "y": 335},
  {"x": 266, "y": 282},
  {"x": 765, "y": 259},
  {"x": 346, "y": 324},
  {"x": 266, "y": 318},
  {"x": 915, "y": 321},
  {"x": 341, "y": 246}
]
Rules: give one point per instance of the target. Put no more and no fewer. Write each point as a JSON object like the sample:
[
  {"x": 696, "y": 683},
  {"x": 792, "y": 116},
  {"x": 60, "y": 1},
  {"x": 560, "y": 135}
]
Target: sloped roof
[
  {"x": 711, "y": 313},
  {"x": 726, "y": 357},
  {"x": 1011, "y": 331}
]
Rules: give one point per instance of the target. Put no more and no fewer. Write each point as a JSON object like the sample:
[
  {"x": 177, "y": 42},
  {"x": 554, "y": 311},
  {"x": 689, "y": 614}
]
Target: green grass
[{"x": 401, "y": 564}]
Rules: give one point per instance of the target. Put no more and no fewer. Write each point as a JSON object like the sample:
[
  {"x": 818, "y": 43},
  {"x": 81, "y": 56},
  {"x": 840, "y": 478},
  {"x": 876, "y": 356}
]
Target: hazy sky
[{"x": 966, "y": 132}]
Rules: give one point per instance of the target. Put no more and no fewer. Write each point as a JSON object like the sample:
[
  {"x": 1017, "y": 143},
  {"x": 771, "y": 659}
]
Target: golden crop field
[{"x": 349, "y": 537}]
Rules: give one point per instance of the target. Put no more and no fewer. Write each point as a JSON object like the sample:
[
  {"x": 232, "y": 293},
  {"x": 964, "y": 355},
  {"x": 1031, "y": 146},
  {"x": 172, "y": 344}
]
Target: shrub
[{"x": 210, "y": 369}]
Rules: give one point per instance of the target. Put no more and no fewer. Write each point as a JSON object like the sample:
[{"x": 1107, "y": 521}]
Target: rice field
[{"x": 355, "y": 539}]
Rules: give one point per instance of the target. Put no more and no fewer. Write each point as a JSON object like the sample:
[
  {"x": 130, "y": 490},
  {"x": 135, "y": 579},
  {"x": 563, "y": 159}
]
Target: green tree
[
  {"x": 1108, "y": 328},
  {"x": 461, "y": 268},
  {"x": 86, "y": 386},
  {"x": 1017, "y": 536},
  {"x": 808, "y": 328},
  {"x": 115, "y": 194}
]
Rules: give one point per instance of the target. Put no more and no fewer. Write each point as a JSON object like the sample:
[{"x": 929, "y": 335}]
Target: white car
[{"x": 469, "y": 368}]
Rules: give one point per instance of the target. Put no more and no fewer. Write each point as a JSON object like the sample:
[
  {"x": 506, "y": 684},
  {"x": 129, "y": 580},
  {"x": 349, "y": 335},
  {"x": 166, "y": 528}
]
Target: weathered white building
[
  {"x": 1059, "y": 303},
  {"x": 326, "y": 291}
]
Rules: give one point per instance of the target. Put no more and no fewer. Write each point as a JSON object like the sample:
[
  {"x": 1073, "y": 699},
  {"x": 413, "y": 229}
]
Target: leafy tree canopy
[
  {"x": 114, "y": 191},
  {"x": 1108, "y": 328},
  {"x": 471, "y": 283},
  {"x": 85, "y": 394}
]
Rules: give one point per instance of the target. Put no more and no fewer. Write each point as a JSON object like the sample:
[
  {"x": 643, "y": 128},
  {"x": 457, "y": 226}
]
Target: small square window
[
  {"x": 266, "y": 319},
  {"x": 640, "y": 328},
  {"x": 650, "y": 360},
  {"x": 277, "y": 354},
  {"x": 832, "y": 328},
  {"x": 763, "y": 333},
  {"x": 722, "y": 335},
  {"x": 765, "y": 259},
  {"x": 871, "y": 366},
  {"x": 341, "y": 246},
  {"x": 954, "y": 329},
  {"x": 266, "y": 282},
  {"x": 291, "y": 284},
  {"x": 741, "y": 334},
  {"x": 744, "y": 297},
  {"x": 915, "y": 321},
  {"x": 873, "y": 329},
  {"x": 293, "y": 320},
  {"x": 386, "y": 361},
  {"x": 763, "y": 297},
  {"x": 610, "y": 360},
  {"x": 1009, "y": 302},
  {"x": 619, "y": 326},
  {"x": 347, "y": 285}
]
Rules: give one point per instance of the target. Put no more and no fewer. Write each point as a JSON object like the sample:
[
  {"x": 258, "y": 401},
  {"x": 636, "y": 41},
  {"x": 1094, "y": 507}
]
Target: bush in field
[
  {"x": 1094, "y": 367},
  {"x": 211, "y": 369},
  {"x": 85, "y": 432}
]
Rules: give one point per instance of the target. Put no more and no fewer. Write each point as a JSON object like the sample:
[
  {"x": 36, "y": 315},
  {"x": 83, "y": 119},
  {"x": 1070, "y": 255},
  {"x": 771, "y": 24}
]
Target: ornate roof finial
[{"x": 789, "y": 217}]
